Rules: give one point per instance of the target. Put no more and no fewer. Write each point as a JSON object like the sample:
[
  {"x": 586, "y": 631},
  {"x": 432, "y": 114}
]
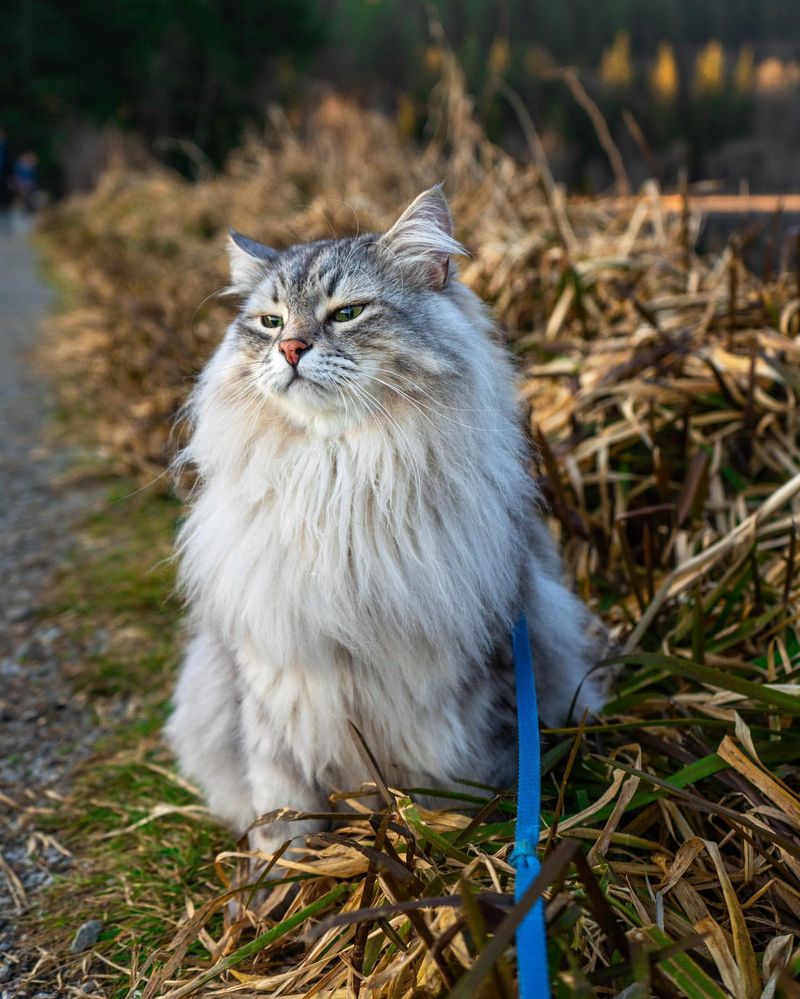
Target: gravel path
[{"x": 43, "y": 729}]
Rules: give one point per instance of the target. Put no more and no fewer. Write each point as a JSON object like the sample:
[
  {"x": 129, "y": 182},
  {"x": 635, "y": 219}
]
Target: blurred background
[{"x": 706, "y": 86}]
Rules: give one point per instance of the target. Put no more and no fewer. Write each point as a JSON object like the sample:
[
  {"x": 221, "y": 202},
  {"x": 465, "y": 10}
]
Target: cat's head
[{"x": 346, "y": 328}]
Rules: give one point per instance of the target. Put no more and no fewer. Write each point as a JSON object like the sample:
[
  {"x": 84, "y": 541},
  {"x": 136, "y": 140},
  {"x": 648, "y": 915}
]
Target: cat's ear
[
  {"x": 249, "y": 260},
  {"x": 422, "y": 238}
]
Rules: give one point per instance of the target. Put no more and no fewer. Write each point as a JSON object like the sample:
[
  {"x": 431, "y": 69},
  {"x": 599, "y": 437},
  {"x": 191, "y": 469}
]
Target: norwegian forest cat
[{"x": 363, "y": 534}]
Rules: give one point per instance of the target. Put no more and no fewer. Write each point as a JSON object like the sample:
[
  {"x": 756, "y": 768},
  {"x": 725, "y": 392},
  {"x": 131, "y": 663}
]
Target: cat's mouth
[
  {"x": 294, "y": 377},
  {"x": 300, "y": 381}
]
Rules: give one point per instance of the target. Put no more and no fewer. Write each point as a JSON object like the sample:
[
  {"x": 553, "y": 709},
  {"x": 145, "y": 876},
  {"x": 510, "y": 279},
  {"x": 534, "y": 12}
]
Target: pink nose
[{"x": 292, "y": 349}]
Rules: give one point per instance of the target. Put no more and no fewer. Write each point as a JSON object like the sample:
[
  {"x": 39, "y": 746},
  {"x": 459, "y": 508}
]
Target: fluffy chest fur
[
  {"x": 398, "y": 547},
  {"x": 364, "y": 575}
]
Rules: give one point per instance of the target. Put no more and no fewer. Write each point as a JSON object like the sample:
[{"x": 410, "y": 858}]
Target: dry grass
[{"x": 664, "y": 391}]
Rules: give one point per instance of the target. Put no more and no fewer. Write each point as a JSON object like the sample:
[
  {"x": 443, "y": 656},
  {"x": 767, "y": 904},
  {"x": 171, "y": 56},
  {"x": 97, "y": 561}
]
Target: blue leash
[{"x": 534, "y": 981}]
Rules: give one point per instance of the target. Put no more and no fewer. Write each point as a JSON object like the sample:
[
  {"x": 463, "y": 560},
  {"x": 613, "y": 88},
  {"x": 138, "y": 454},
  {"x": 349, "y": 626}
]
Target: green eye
[
  {"x": 346, "y": 313},
  {"x": 271, "y": 322}
]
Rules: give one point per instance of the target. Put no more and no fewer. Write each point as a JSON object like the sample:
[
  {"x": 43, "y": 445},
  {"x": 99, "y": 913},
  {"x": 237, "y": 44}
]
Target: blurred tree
[
  {"x": 499, "y": 56},
  {"x": 615, "y": 67},
  {"x": 709, "y": 74},
  {"x": 664, "y": 78},
  {"x": 773, "y": 75},
  {"x": 406, "y": 116},
  {"x": 744, "y": 73}
]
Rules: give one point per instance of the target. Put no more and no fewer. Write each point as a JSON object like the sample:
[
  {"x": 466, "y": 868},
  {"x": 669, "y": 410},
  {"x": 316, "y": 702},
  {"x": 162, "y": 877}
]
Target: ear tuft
[
  {"x": 248, "y": 260},
  {"x": 422, "y": 238}
]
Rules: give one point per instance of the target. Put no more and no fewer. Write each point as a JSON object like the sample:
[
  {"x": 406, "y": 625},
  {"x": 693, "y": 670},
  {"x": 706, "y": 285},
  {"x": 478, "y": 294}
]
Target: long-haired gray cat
[{"x": 363, "y": 535}]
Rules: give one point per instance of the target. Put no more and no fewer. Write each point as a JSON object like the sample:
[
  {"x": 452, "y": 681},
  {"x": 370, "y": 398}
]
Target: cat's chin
[{"x": 307, "y": 406}]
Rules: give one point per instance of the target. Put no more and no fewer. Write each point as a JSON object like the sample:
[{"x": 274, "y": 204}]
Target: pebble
[
  {"x": 86, "y": 936},
  {"x": 15, "y": 614}
]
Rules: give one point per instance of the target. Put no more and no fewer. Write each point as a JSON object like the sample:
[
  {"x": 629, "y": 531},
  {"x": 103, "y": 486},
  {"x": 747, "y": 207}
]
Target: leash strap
[{"x": 534, "y": 982}]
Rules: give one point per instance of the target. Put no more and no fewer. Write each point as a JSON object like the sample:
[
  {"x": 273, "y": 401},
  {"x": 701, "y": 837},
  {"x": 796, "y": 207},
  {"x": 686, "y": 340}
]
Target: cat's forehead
[{"x": 324, "y": 268}]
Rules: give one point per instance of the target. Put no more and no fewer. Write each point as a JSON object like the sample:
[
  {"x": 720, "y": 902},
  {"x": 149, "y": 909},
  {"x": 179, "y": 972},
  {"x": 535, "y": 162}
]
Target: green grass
[{"x": 121, "y": 583}]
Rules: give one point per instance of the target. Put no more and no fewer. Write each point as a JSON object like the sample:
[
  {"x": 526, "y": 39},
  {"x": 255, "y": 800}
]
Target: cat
[{"x": 363, "y": 534}]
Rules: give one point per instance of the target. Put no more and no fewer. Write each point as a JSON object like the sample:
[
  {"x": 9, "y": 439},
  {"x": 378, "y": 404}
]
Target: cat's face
[{"x": 343, "y": 329}]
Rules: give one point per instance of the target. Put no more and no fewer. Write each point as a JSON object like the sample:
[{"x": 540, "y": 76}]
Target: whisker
[
  {"x": 371, "y": 412},
  {"x": 434, "y": 401},
  {"x": 402, "y": 439},
  {"x": 418, "y": 388},
  {"x": 419, "y": 406}
]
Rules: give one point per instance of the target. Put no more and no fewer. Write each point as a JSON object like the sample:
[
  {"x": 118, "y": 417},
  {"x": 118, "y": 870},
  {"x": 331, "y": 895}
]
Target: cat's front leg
[
  {"x": 204, "y": 729},
  {"x": 277, "y": 781}
]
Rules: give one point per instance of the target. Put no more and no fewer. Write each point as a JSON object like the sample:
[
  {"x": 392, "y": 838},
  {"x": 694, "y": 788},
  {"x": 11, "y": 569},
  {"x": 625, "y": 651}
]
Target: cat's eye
[
  {"x": 271, "y": 322},
  {"x": 346, "y": 313}
]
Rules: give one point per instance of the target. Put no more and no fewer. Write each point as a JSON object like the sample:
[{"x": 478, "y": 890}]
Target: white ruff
[{"x": 393, "y": 544}]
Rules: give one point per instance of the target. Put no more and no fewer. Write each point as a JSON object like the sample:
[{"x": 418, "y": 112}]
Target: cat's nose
[{"x": 292, "y": 349}]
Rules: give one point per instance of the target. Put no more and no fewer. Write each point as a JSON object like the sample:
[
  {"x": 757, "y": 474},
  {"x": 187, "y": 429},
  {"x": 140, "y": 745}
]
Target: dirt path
[{"x": 43, "y": 729}]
